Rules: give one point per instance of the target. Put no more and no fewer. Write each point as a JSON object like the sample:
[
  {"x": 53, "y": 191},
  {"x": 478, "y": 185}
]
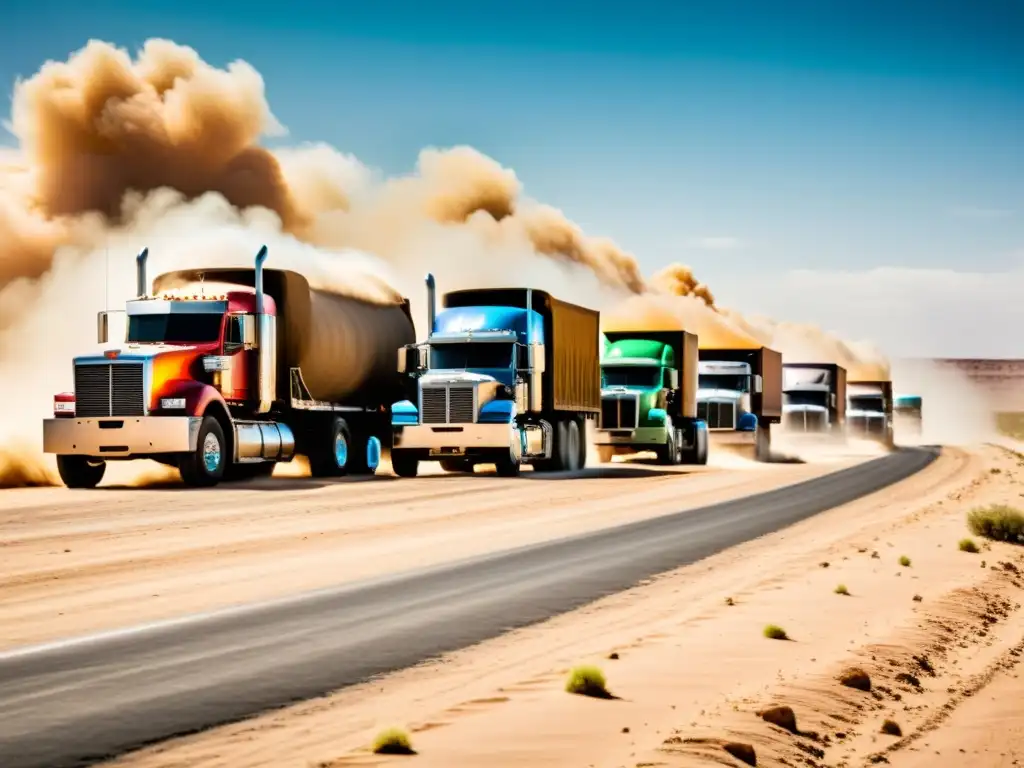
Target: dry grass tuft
[
  {"x": 842, "y": 590},
  {"x": 856, "y": 678},
  {"x": 588, "y": 680},
  {"x": 393, "y": 741},
  {"x": 968, "y": 545},
  {"x": 998, "y": 522},
  {"x": 891, "y": 728},
  {"x": 775, "y": 632}
]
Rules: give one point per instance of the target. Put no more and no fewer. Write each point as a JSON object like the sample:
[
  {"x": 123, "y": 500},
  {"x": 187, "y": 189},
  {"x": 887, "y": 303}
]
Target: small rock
[
  {"x": 784, "y": 717},
  {"x": 742, "y": 752}
]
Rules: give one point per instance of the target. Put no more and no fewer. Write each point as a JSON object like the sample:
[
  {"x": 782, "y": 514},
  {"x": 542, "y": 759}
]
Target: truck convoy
[
  {"x": 907, "y": 414},
  {"x": 814, "y": 398},
  {"x": 869, "y": 411},
  {"x": 649, "y": 397},
  {"x": 506, "y": 376},
  {"x": 739, "y": 396},
  {"x": 223, "y": 387}
]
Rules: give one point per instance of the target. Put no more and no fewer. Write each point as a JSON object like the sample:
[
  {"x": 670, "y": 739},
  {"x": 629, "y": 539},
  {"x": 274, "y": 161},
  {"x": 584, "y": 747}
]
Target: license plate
[{"x": 447, "y": 451}]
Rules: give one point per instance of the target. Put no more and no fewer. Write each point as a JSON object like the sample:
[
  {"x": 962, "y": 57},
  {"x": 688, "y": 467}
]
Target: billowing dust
[
  {"x": 955, "y": 410},
  {"x": 163, "y": 151}
]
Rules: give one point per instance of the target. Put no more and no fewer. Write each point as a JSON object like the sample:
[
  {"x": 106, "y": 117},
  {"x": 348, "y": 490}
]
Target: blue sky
[{"x": 749, "y": 139}]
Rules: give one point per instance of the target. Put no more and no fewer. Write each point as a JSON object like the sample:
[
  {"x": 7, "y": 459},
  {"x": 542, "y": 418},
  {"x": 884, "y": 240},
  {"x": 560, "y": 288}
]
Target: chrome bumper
[
  {"x": 120, "y": 438},
  {"x": 455, "y": 436},
  {"x": 638, "y": 436}
]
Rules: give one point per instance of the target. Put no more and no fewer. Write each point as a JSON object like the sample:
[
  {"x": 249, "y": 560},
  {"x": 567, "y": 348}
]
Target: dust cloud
[
  {"x": 955, "y": 410},
  {"x": 162, "y": 151}
]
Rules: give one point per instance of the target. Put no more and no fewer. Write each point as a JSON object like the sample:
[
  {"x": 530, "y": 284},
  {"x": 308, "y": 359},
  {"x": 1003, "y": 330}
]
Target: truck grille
[
  {"x": 109, "y": 390},
  {"x": 805, "y": 421},
  {"x": 448, "y": 405},
  {"x": 619, "y": 412},
  {"x": 865, "y": 425},
  {"x": 717, "y": 415}
]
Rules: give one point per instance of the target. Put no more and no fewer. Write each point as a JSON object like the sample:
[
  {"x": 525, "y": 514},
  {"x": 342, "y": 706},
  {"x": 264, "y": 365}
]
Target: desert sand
[
  {"x": 685, "y": 656},
  {"x": 76, "y": 562}
]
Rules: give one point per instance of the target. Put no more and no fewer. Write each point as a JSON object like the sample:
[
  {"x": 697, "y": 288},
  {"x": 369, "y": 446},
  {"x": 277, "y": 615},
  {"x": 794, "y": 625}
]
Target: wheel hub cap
[
  {"x": 340, "y": 450},
  {"x": 211, "y": 452}
]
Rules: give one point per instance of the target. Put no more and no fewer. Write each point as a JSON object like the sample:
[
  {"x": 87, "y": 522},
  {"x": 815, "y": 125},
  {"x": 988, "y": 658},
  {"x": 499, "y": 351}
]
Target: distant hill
[{"x": 1002, "y": 381}]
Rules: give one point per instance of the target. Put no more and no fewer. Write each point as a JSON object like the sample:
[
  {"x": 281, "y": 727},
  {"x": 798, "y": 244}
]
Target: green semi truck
[{"x": 649, "y": 397}]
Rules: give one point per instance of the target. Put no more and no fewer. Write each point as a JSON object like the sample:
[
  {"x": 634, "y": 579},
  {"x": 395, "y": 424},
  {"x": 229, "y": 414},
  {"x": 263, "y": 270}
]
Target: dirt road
[
  {"x": 73, "y": 562},
  {"x": 687, "y": 658}
]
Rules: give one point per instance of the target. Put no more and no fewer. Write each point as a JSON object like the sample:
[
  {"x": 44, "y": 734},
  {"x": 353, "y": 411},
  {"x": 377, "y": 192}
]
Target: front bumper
[
  {"x": 731, "y": 437},
  {"x": 638, "y": 436},
  {"x": 455, "y": 439},
  {"x": 120, "y": 437}
]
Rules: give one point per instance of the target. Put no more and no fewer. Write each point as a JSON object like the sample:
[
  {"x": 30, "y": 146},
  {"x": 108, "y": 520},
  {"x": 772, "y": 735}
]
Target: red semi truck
[{"x": 223, "y": 387}]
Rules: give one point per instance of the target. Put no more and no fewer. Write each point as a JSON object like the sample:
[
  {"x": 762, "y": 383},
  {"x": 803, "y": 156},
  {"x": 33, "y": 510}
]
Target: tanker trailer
[{"x": 225, "y": 386}]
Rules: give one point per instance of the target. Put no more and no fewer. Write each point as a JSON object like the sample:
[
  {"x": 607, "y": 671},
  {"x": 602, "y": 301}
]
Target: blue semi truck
[{"x": 507, "y": 376}]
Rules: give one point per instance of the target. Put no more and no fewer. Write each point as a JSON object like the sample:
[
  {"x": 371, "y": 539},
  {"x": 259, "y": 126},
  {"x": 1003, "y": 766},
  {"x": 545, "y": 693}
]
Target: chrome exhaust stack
[
  {"x": 431, "y": 303},
  {"x": 266, "y": 342},
  {"x": 141, "y": 284}
]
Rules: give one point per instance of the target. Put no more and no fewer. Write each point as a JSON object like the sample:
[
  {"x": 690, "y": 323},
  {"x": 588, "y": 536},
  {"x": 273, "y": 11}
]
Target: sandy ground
[
  {"x": 940, "y": 640},
  {"x": 74, "y": 562}
]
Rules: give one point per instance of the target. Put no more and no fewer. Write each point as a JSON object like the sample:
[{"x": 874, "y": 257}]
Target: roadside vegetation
[
  {"x": 998, "y": 522},
  {"x": 775, "y": 632},
  {"x": 1011, "y": 424},
  {"x": 588, "y": 680},
  {"x": 393, "y": 741}
]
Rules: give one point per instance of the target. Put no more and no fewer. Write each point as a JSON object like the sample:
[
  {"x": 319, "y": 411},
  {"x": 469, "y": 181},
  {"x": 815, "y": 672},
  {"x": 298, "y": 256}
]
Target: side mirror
[
  {"x": 673, "y": 378},
  {"x": 408, "y": 359},
  {"x": 102, "y": 327},
  {"x": 757, "y": 383}
]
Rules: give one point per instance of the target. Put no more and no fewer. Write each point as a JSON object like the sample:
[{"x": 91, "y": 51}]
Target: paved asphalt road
[{"x": 78, "y": 702}]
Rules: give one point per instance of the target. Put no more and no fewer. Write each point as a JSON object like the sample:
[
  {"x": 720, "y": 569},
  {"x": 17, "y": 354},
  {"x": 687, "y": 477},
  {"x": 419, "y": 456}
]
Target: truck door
[{"x": 238, "y": 335}]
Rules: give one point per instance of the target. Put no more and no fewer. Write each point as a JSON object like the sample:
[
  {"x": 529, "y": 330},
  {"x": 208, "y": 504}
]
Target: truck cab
[
  {"x": 813, "y": 398},
  {"x": 869, "y": 411},
  {"x": 643, "y": 405},
  {"x": 498, "y": 383},
  {"x": 908, "y": 414}
]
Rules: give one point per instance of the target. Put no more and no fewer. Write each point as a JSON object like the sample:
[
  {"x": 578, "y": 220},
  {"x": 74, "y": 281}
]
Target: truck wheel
[
  {"x": 330, "y": 454},
  {"x": 80, "y": 471},
  {"x": 569, "y": 447},
  {"x": 204, "y": 467},
  {"x": 605, "y": 453},
  {"x": 404, "y": 464},
  {"x": 365, "y": 457},
  {"x": 702, "y": 447},
  {"x": 668, "y": 454},
  {"x": 506, "y": 466}
]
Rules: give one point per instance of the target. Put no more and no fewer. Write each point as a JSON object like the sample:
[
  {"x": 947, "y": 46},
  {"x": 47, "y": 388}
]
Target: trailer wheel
[
  {"x": 330, "y": 455},
  {"x": 204, "y": 467},
  {"x": 569, "y": 445},
  {"x": 80, "y": 471},
  {"x": 506, "y": 466},
  {"x": 702, "y": 447},
  {"x": 365, "y": 456},
  {"x": 404, "y": 464}
]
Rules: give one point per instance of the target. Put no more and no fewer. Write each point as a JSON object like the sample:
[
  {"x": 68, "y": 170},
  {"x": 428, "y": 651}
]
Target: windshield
[
  {"x": 471, "y": 355},
  {"x": 174, "y": 328},
  {"x": 631, "y": 376},
  {"x": 730, "y": 381},
  {"x": 806, "y": 398},
  {"x": 866, "y": 403}
]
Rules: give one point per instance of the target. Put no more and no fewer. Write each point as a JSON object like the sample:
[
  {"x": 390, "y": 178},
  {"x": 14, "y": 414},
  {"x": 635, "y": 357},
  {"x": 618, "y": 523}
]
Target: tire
[
  {"x": 702, "y": 447},
  {"x": 569, "y": 450},
  {"x": 456, "y": 465},
  {"x": 404, "y": 464},
  {"x": 204, "y": 467},
  {"x": 365, "y": 456},
  {"x": 331, "y": 451},
  {"x": 605, "y": 453},
  {"x": 506, "y": 466},
  {"x": 668, "y": 454},
  {"x": 238, "y": 473},
  {"x": 80, "y": 471},
  {"x": 583, "y": 442}
]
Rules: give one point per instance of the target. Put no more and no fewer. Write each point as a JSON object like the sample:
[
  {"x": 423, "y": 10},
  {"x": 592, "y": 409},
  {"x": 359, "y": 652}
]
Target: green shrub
[
  {"x": 998, "y": 522},
  {"x": 842, "y": 590},
  {"x": 393, "y": 741},
  {"x": 904, "y": 561},
  {"x": 968, "y": 545},
  {"x": 774, "y": 632},
  {"x": 587, "y": 681}
]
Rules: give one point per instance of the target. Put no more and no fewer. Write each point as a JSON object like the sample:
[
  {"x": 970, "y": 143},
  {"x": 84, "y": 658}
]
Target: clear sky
[{"x": 772, "y": 146}]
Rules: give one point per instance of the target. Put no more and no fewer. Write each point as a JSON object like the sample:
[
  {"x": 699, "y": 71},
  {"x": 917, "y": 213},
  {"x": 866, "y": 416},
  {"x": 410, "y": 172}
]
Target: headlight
[{"x": 172, "y": 403}]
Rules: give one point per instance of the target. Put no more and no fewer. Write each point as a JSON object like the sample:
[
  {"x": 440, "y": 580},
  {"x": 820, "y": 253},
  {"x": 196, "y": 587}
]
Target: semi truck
[
  {"x": 739, "y": 396},
  {"x": 225, "y": 386},
  {"x": 507, "y": 376},
  {"x": 869, "y": 411},
  {"x": 649, "y": 397},
  {"x": 908, "y": 414},
  {"x": 814, "y": 398}
]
